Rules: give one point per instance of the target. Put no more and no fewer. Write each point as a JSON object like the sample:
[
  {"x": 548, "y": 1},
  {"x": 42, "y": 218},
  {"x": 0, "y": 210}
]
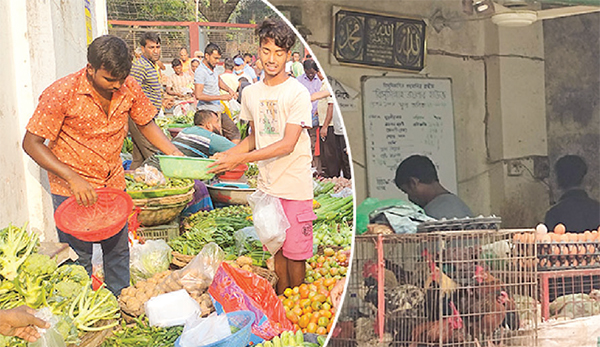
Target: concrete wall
[
  {"x": 43, "y": 41},
  {"x": 572, "y": 47},
  {"x": 500, "y": 98}
]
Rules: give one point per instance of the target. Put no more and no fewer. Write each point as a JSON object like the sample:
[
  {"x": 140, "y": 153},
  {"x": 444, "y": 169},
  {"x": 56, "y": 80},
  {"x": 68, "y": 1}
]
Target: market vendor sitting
[
  {"x": 417, "y": 177},
  {"x": 202, "y": 140}
]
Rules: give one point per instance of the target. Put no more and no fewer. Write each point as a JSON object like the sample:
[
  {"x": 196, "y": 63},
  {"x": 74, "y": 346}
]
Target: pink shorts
[{"x": 298, "y": 244}]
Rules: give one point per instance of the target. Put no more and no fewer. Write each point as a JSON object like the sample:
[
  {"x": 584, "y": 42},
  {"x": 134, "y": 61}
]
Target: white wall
[{"x": 43, "y": 41}]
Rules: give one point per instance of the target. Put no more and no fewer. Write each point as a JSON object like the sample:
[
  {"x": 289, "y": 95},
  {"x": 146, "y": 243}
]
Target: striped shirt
[{"x": 146, "y": 74}]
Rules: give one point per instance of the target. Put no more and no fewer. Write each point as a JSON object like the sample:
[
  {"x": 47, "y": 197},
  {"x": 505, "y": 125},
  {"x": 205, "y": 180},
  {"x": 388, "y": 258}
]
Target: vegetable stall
[{"x": 182, "y": 266}]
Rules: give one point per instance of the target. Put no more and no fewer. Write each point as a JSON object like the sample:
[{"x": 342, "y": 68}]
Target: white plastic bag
[
  {"x": 203, "y": 331},
  {"x": 269, "y": 219},
  {"x": 196, "y": 276},
  {"x": 49, "y": 337},
  {"x": 148, "y": 259},
  {"x": 171, "y": 309},
  {"x": 149, "y": 175}
]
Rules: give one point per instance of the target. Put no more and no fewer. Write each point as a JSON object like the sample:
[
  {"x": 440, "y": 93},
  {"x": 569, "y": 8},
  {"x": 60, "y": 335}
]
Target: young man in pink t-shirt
[{"x": 278, "y": 109}]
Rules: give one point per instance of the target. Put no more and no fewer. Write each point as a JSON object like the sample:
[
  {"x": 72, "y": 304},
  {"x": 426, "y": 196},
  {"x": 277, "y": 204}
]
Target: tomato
[
  {"x": 304, "y": 291},
  {"x": 307, "y": 310},
  {"x": 311, "y": 328},
  {"x": 288, "y": 303},
  {"x": 325, "y": 313},
  {"x": 297, "y": 310},
  {"x": 323, "y": 321},
  {"x": 316, "y": 305},
  {"x": 320, "y": 298},
  {"x": 296, "y": 290},
  {"x": 288, "y": 292},
  {"x": 329, "y": 282},
  {"x": 327, "y": 306},
  {"x": 321, "y": 331},
  {"x": 303, "y": 321},
  {"x": 293, "y": 317}
]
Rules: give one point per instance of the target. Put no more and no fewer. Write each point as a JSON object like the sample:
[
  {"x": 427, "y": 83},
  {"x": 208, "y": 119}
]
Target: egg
[
  {"x": 594, "y": 236},
  {"x": 587, "y": 235},
  {"x": 554, "y": 237},
  {"x": 580, "y": 237},
  {"x": 545, "y": 238},
  {"x": 541, "y": 229},
  {"x": 572, "y": 237},
  {"x": 555, "y": 250},
  {"x": 581, "y": 249},
  {"x": 560, "y": 228},
  {"x": 517, "y": 238},
  {"x": 563, "y": 238}
]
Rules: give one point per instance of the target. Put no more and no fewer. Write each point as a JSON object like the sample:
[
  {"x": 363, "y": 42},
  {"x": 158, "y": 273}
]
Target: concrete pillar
[{"x": 516, "y": 131}]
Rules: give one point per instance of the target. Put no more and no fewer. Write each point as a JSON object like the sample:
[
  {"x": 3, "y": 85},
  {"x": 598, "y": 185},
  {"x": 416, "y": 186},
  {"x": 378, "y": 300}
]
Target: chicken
[
  {"x": 445, "y": 283},
  {"x": 371, "y": 271},
  {"x": 447, "y": 330},
  {"x": 485, "y": 315},
  {"x": 403, "y": 297},
  {"x": 487, "y": 284}
]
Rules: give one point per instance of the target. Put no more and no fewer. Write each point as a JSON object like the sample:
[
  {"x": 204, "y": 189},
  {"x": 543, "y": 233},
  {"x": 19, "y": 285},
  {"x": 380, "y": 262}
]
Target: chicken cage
[{"x": 441, "y": 288}]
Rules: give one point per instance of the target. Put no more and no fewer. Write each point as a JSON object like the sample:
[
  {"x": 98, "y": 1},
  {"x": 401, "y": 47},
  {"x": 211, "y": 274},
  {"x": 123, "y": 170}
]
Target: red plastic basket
[
  {"x": 234, "y": 174},
  {"x": 98, "y": 222}
]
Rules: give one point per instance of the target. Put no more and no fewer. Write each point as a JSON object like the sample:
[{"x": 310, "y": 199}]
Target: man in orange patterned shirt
[{"x": 84, "y": 117}]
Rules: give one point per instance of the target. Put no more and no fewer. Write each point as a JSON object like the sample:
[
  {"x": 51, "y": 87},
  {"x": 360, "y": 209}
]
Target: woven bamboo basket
[
  {"x": 267, "y": 274},
  {"x": 159, "y": 211},
  {"x": 95, "y": 338}
]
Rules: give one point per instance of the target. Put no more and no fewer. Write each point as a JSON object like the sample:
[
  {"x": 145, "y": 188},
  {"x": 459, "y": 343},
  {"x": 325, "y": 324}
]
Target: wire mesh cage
[{"x": 450, "y": 288}]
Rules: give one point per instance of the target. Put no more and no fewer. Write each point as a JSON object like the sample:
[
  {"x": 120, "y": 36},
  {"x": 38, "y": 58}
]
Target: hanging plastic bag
[
  {"x": 49, "y": 337},
  {"x": 196, "y": 276},
  {"x": 149, "y": 175},
  {"x": 236, "y": 290},
  {"x": 203, "y": 331},
  {"x": 269, "y": 219},
  {"x": 149, "y": 259}
]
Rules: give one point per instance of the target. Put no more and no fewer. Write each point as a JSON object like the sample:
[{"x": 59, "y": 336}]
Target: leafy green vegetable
[{"x": 16, "y": 244}]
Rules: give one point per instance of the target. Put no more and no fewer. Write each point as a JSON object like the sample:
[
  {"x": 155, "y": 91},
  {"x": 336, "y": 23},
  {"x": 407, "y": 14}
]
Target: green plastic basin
[{"x": 185, "y": 167}]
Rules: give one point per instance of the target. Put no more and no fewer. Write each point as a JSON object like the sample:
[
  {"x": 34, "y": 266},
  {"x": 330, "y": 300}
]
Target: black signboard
[{"x": 379, "y": 40}]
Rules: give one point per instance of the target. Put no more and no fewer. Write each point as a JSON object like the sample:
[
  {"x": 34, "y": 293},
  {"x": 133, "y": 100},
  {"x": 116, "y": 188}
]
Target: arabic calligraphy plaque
[{"x": 378, "y": 40}]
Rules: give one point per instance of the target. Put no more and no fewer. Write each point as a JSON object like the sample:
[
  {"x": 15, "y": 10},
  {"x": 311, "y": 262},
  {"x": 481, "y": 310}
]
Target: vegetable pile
[
  {"x": 141, "y": 334},
  {"x": 331, "y": 233},
  {"x": 332, "y": 185},
  {"x": 219, "y": 226},
  {"x": 132, "y": 299},
  {"x": 35, "y": 280},
  {"x": 133, "y": 185}
]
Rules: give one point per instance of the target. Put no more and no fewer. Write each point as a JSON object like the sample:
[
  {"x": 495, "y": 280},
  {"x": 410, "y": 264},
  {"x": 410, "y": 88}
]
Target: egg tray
[
  {"x": 568, "y": 262},
  {"x": 568, "y": 248}
]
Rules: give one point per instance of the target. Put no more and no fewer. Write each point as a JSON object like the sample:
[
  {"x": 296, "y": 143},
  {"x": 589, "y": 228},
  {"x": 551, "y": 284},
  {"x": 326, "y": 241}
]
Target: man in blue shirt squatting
[{"x": 278, "y": 110}]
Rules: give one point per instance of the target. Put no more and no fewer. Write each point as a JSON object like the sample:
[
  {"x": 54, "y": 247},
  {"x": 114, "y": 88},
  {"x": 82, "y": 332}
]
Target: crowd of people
[{"x": 196, "y": 84}]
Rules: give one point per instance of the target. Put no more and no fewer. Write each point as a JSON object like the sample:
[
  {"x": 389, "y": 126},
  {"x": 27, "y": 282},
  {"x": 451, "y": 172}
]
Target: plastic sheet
[
  {"x": 234, "y": 290},
  {"x": 269, "y": 219}
]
